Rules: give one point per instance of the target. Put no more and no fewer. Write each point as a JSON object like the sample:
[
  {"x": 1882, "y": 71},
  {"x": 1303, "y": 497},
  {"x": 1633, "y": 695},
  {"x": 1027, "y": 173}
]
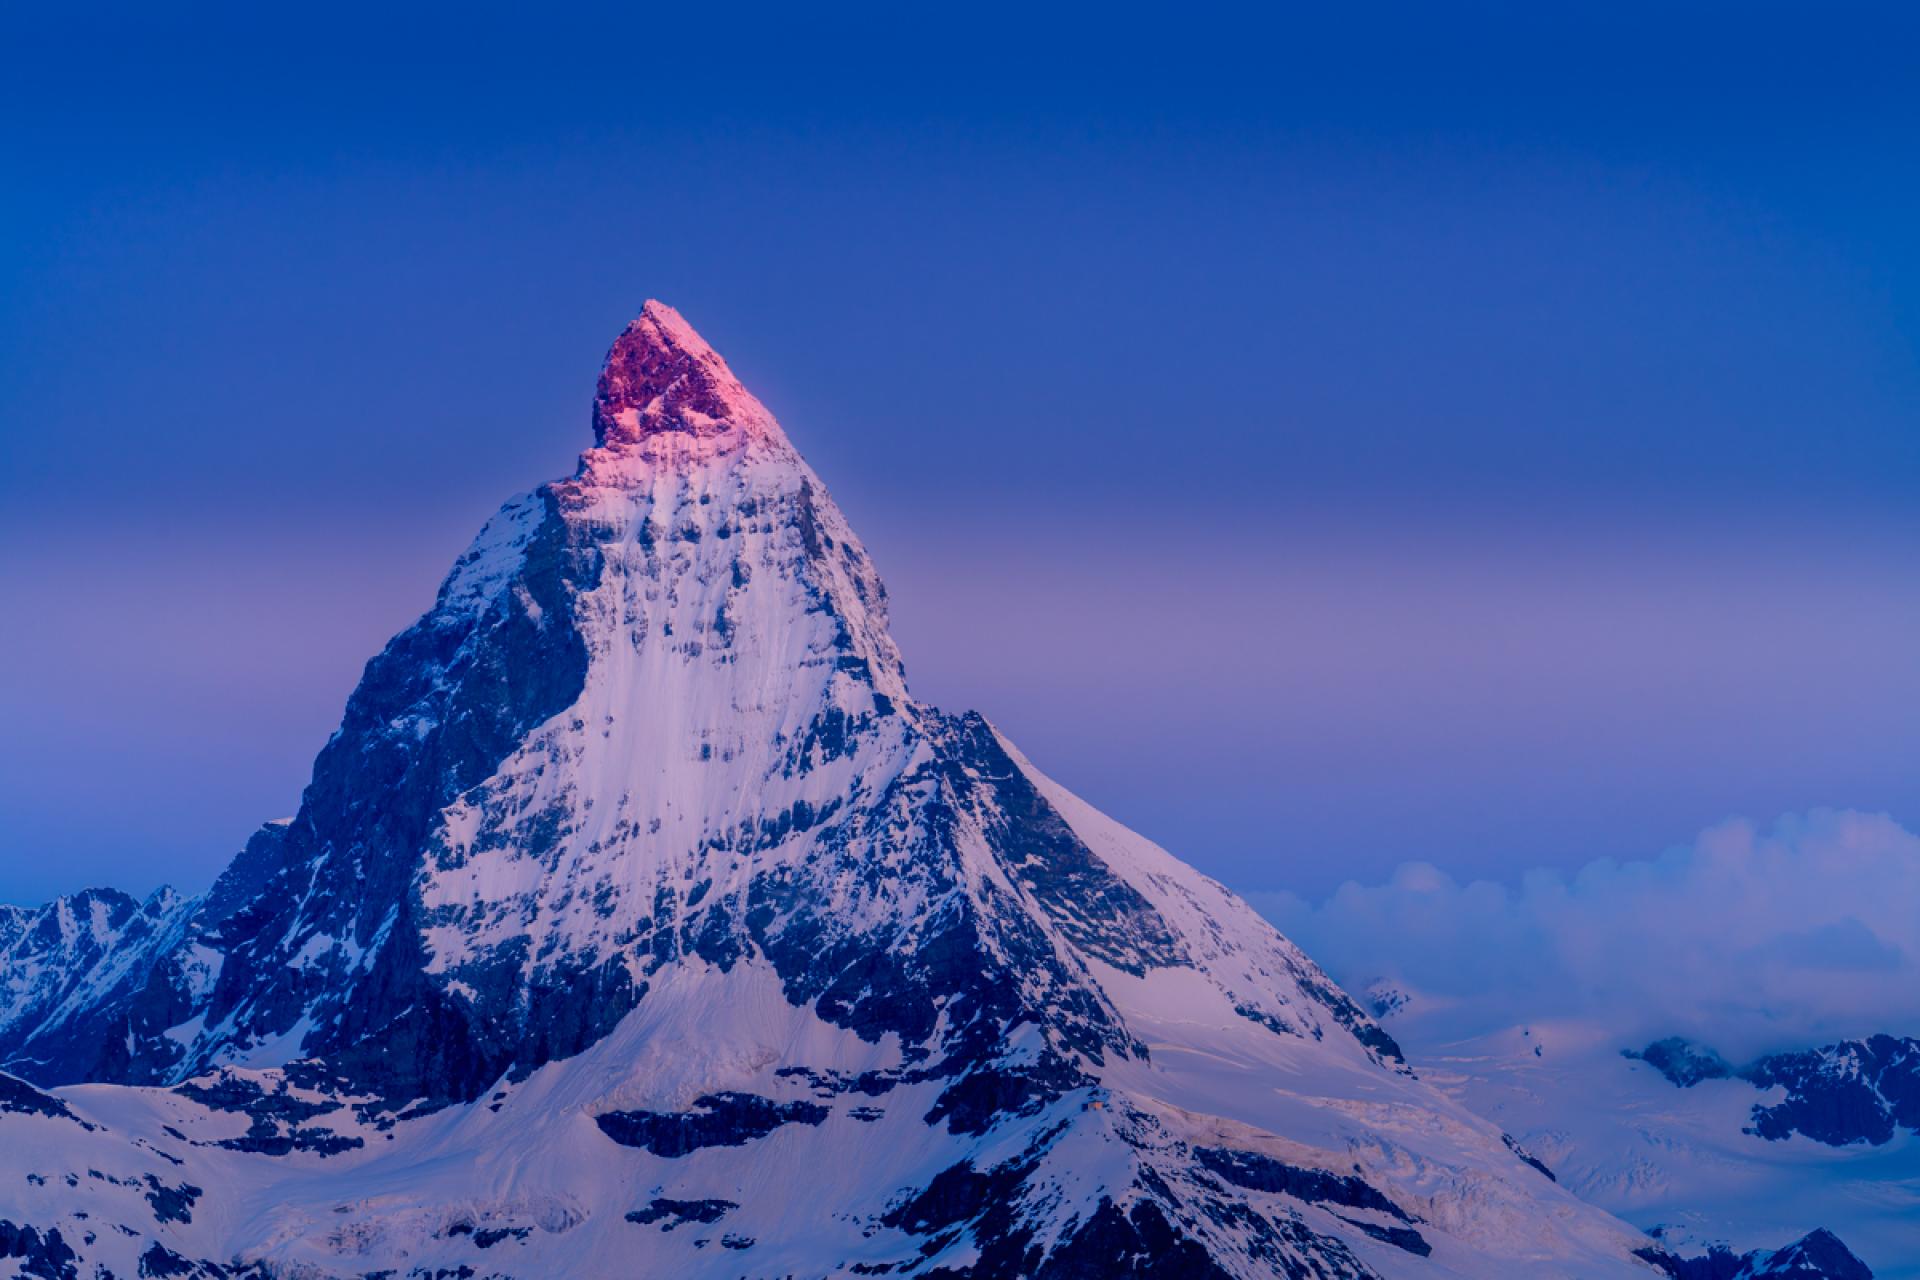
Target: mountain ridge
[{"x": 1850, "y": 1091}]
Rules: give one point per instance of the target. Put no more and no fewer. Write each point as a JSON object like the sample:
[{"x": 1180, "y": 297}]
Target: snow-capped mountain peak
[
  {"x": 637, "y": 907},
  {"x": 661, "y": 376}
]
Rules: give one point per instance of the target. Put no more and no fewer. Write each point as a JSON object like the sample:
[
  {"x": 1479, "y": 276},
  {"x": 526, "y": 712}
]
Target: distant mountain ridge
[
  {"x": 1851, "y": 1091},
  {"x": 1819, "y": 1255},
  {"x": 92, "y": 983}
]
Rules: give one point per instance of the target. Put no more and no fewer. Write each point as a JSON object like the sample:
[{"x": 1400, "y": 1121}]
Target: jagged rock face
[
  {"x": 637, "y": 919},
  {"x": 1819, "y": 1255},
  {"x": 1854, "y": 1091},
  {"x": 102, "y": 988},
  {"x": 660, "y": 376},
  {"x": 69, "y": 973}
]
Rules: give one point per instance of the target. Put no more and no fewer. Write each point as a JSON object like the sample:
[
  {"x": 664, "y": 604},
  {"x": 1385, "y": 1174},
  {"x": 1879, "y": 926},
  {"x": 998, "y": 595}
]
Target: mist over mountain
[{"x": 1753, "y": 938}]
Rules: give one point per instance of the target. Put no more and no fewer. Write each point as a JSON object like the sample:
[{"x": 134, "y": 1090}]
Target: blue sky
[{"x": 1486, "y": 438}]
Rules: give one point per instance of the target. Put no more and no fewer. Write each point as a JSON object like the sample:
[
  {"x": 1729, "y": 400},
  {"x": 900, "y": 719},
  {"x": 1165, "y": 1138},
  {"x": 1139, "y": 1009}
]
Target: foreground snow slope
[{"x": 638, "y": 921}]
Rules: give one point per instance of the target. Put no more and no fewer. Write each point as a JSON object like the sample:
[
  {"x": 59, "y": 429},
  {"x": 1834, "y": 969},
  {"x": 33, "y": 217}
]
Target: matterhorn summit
[
  {"x": 662, "y": 377},
  {"x": 638, "y": 922}
]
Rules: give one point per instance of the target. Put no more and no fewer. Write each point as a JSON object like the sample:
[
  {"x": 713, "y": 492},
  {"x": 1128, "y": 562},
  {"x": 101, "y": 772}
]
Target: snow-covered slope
[
  {"x": 1718, "y": 1162},
  {"x": 638, "y": 921}
]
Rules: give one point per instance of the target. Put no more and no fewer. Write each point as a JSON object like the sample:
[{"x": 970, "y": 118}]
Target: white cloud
[{"x": 1747, "y": 939}]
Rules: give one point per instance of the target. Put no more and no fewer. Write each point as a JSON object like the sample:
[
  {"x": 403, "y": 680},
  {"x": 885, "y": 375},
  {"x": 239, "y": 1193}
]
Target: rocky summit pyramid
[{"x": 638, "y": 922}]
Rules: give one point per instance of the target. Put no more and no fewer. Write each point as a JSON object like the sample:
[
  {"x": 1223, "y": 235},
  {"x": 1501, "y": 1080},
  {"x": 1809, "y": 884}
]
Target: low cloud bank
[{"x": 1751, "y": 940}]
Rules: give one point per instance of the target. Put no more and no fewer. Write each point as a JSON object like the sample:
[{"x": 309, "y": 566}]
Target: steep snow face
[
  {"x": 637, "y": 920},
  {"x": 740, "y": 688}
]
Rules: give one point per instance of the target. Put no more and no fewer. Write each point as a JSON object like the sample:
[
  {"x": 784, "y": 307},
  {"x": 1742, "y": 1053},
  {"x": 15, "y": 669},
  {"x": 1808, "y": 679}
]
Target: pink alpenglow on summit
[{"x": 662, "y": 376}]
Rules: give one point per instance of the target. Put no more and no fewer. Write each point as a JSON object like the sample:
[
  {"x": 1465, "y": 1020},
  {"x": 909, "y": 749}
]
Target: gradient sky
[{"x": 1490, "y": 438}]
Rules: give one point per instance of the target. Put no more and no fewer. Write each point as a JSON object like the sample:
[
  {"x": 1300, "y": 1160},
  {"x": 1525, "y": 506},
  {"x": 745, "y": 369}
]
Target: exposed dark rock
[
  {"x": 91, "y": 954},
  {"x": 435, "y": 713},
  {"x": 171, "y": 1204},
  {"x": 981, "y": 1098},
  {"x": 17, "y": 1097},
  {"x": 277, "y": 1117},
  {"x": 1399, "y": 1237},
  {"x": 159, "y": 1260},
  {"x": 1855, "y": 1091},
  {"x": 957, "y": 1194},
  {"x": 1682, "y": 1062},
  {"x": 1383, "y": 999},
  {"x": 673, "y": 1213},
  {"x": 1527, "y": 1157},
  {"x": 1257, "y": 1172},
  {"x": 1100, "y": 913},
  {"x": 40, "y": 1255},
  {"x": 1349, "y": 1015},
  {"x": 1818, "y": 1255},
  {"x": 720, "y": 1120}
]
